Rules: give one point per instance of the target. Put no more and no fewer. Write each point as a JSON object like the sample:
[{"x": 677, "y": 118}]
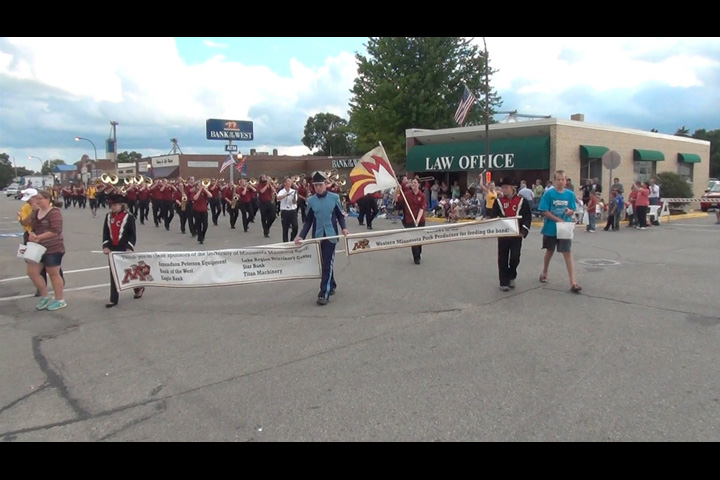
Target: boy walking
[{"x": 557, "y": 205}]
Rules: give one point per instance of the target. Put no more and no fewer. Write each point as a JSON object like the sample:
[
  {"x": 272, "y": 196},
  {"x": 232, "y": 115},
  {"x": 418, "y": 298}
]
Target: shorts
[
  {"x": 52, "y": 259},
  {"x": 93, "y": 202},
  {"x": 553, "y": 244}
]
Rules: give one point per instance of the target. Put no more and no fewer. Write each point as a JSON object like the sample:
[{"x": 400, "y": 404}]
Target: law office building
[{"x": 533, "y": 149}]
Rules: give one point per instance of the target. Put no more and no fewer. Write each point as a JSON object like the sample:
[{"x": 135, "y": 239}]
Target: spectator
[
  {"x": 455, "y": 190},
  {"x": 641, "y": 204},
  {"x": 630, "y": 208},
  {"x": 434, "y": 195},
  {"x": 587, "y": 189},
  {"x": 617, "y": 186},
  {"x": 655, "y": 192},
  {"x": 569, "y": 185},
  {"x": 490, "y": 197},
  {"x": 46, "y": 229},
  {"x": 612, "y": 211},
  {"x": 591, "y": 207},
  {"x": 596, "y": 185},
  {"x": 538, "y": 191},
  {"x": 527, "y": 194}
]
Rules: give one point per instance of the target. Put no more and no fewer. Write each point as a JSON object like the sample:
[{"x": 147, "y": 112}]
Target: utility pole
[
  {"x": 113, "y": 137},
  {"x": 487, "y": 107}
]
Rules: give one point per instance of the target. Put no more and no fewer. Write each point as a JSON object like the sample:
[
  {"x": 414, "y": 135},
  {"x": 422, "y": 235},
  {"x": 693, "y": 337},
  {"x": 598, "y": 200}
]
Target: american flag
[
  {"x": 230, "y": 160},
  {"x": 239, "y": 166},
  {"x": 466, "y": 102}
]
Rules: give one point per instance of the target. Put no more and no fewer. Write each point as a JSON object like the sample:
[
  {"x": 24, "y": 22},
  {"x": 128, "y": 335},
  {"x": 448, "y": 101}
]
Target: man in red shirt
[
  {"x": 189, "y": 186},
  {"x": 303, "y": 194},
  {"x": 247, "y": 192},
  {"x": 413, "y": 203},
  {"x": 143, "y": 201},
  {"x": 168, "y": 202},
  {"x": 156, "y": 197},
  {"x": 215, "y": 207},
  {"x": 229, "y": 199}
]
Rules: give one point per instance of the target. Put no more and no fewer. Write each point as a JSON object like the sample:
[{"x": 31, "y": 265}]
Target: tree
[
  {"x": 328, "y": 133},
  {"x": 682, "y": 132},
  {"x": 7, "y": 170},
  {"x": 414, "y": 82},
  {"x": 713, "y": 136},
  {"x": 48, "y": 167},
  {"x": 131, "y": 157},
  {"x": 673, "y": 185}
]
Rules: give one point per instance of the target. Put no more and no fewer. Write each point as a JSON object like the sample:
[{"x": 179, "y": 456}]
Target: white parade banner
[
  {"x": 407, "y": 237},
  {"x": 216, "y": 267}
]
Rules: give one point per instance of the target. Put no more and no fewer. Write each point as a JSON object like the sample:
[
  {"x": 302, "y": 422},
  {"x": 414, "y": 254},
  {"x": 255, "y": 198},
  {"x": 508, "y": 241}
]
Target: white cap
[{"x": 28, "y": 194}]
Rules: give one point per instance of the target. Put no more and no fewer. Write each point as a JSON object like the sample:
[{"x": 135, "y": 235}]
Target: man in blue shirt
[{"x": 557, "y": 205}]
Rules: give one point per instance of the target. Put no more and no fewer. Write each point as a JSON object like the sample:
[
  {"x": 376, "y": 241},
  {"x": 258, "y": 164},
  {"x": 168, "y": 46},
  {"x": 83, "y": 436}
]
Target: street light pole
[
  {"x": 42, "y": 163},
  {"x": 487, "y": 108},
  {"x": 77, "y": 139}
]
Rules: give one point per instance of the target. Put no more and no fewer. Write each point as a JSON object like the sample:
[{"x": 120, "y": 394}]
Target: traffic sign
[
  {"x": 611, "y": 159},
  {"x": 231, "y": 148}
]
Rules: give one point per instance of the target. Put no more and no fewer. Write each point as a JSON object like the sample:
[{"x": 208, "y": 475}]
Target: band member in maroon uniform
[
  {"x": 119, "y": 235},
  {"x": 303, "y": 194},
  {"x": 190, "y": 192},
  {"x": 143, "y": 200},
  {"x": 232, "y": 203},
  {"x": 247, "y": 193},
  {"x": 215, "y": 199},
  {"x": 131, "y": 196},
  {"x": 266, "y": 192},
  {"x": 200, "y": 197},
  {"x": 413, "y": 204},
  {"x": 510, "y": 205},
  {"x": 156, "y": 197},
  {"x": 168, "y": 203},
  {"x": 179, "y": 206},
  {"x": 67, "y": 194}
]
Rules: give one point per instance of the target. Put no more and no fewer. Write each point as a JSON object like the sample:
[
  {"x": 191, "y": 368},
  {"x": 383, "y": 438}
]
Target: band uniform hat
[
  {"x": 28, "y": 193},
  {"x": 508, "y": 181},
  {"x": 318, "y": 177},
  {"x": 116, "y": 198}
]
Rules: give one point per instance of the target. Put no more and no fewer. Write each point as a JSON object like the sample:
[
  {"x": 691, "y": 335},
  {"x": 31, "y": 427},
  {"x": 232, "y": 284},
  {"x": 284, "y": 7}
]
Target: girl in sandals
[
  {"x": 557, "y": 205},
  {"x": 119, "y": 235}
]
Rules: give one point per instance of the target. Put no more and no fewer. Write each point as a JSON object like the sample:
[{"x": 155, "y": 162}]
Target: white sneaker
[{"x": 643, "y": 228}]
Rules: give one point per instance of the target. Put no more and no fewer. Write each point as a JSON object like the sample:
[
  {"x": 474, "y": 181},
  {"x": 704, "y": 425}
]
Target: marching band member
[
  {"x": 143, "y": 202},
  {"x": 288, "y": 209},
  {"x": 510, "y": 205},
  {"x": 413, "y": 204},
  {"x": 303, "y": 194},
  {"x": 179, "y": 205},
  {"x": 266, "y": 191},
  {"x": 232, "y": 204},
  {"x": 67, "y": 195},
  {"x": 156, "y": 197},
  {"x": 200, "y": 198},
  {"x": 324, "y": 213},
  {"x": 92, "y": 198},
  {"x": 119, "y": 235},
  {"x": 247, "y": 193},
  {"x": 167, "y": 212},
  {"x": 215, "y": 199},
  {"x": 189, "y": 187}
]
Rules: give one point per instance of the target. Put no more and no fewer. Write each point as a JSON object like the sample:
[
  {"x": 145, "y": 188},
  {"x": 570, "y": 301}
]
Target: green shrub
[{"x": 673, "y": 185}]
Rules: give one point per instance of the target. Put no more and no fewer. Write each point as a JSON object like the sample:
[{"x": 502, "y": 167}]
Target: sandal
[
  {"x": 576, "y": 288},
  {"x": 140, "y": 293},
  {"x": 543, "y": 278}
]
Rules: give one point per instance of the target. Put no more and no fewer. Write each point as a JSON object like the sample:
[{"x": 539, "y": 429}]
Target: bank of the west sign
[{"x": 531, "y": 153}]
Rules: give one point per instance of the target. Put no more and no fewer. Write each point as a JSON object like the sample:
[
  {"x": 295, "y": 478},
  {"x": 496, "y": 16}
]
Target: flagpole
[{"x": 398, "y": 185}]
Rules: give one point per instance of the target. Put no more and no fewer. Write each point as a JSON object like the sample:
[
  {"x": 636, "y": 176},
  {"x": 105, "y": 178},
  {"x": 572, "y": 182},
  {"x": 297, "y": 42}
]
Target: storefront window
[
  {"x": 643, "y": 171},
  {"x": 590, "y": 168},
  {"x": 685, "y": 170}
]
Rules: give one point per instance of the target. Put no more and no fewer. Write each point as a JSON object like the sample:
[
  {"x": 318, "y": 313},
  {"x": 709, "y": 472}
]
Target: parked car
[
  {"x": 711, "y": 198},
  {"x": 13, "y": 190},
  {"x": 711, "y": 183}
]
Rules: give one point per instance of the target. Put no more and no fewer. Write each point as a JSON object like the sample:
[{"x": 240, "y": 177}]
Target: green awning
[
  {"x": 648, "y": 155},
  {"x": 592, "y": 151},
  {"x": 689, "y": 158}
]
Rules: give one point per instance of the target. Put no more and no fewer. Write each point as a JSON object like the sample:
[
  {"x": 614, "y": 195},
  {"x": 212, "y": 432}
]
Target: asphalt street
[{"x": 403, "y": 352}]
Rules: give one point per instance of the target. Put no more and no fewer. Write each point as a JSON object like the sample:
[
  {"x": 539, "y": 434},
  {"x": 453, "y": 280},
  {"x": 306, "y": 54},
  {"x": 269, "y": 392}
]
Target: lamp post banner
[
  {"x": 215, "y": 268},
  {"x": 408, "y": 237}
]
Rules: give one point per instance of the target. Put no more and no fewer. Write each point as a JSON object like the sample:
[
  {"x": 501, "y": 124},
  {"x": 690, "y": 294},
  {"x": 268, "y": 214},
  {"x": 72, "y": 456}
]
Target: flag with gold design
[{"x": 372, "y": 173}]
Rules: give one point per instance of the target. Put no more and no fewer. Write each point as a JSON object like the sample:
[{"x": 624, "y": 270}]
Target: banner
[
  {"x": 216, "y": 267},
  {"x": 407, "y": 237}
]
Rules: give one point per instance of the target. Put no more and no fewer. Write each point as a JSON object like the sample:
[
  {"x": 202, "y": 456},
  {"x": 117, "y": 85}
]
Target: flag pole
[{"x": 398, "y": 185}]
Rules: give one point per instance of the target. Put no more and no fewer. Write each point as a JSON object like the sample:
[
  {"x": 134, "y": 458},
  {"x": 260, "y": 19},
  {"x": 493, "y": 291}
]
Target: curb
[{"x": 539, "y": 223}]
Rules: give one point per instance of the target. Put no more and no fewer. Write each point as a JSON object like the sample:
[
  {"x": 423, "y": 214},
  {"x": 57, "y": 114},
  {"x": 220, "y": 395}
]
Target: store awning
[
  {"x": 164, "y": 172},
  {"x": 647, "y": 155},
  {"x": 592, "y": 151},
  {"x": 689, "y": 158}
]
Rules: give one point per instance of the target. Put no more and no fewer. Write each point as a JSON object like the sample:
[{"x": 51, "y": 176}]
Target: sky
[{"x": 55, "y": 89}]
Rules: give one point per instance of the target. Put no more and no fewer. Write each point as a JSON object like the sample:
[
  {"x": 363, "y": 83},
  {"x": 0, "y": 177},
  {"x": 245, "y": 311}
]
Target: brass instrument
[
  {"x": 183, "y": 201},
  {"x": 205, "y": 182},
  {"x": 140, "y": 179},
  {"x": 113, "y": 179},
  {"x": 123, "y": 190},
  {"x": 129, "y": 180},
  {"x": 253, "y": 181},
  {"x": 235, "y": 199},
  {"x": 181, "y": 180},
  {"x": 425, "y": 179}
]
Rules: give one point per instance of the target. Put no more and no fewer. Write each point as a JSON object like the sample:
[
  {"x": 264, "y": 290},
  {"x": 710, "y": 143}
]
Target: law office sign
[
  {"x": 229, "y": 129},
  {"x": 532, "y": 153}
]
